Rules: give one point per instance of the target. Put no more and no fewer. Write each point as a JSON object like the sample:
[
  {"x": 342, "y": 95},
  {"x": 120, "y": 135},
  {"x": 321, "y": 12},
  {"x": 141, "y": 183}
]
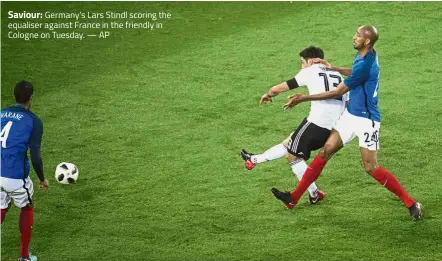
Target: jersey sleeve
[
  {"x": 358, "y": 76},
  {"x": 301, "y": 77},
  {"x": 36, "y": 134}
]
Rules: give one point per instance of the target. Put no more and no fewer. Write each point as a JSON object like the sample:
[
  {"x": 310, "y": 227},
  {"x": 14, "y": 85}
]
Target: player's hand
[
  {"x": 43, "y": 184},
  {"x": 293, "y": 101},
  {"x": 321, "y": 61},
  {"x": 265, "y": 99}
]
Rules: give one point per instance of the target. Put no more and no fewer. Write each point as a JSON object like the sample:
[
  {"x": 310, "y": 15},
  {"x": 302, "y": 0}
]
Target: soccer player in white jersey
[
  {"x": 361, "y": 119},
  {"x": 314, "y": 130}
]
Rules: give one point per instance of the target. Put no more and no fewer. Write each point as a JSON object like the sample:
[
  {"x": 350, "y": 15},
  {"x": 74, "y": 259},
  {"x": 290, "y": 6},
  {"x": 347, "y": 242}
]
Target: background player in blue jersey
[
  {"x": 20, "y": 129},
  {"x": 361, "y": 119}
]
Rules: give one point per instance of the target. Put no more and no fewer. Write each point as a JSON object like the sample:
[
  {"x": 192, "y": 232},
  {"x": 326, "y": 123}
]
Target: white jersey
[{"x": 318, "y": 79}]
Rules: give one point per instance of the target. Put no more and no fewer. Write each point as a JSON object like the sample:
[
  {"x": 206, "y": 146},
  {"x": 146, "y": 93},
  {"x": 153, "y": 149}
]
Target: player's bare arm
[
  {"x": 274, "y": 91},
  {"x": 341, "y": 70},
  {"x": 295, "y": 99}
]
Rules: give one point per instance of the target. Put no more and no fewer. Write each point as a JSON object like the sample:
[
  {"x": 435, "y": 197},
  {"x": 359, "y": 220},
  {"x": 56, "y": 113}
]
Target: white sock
[
  {"x": 275, "y": 152},
  {"x": 299, "y": 167}
]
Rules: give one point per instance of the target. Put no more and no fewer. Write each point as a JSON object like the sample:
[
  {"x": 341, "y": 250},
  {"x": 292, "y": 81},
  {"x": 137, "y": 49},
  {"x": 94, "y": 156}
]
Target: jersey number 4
[
  {"x": 336, "y": 80},
  {"x": 4, "y": 134}
]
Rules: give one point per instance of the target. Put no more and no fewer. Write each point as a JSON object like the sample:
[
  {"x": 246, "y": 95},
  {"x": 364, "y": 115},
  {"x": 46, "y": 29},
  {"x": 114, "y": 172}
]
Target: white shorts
[
  {"x": 19, "y": 190},
  {"x": 367, "y": 131}
]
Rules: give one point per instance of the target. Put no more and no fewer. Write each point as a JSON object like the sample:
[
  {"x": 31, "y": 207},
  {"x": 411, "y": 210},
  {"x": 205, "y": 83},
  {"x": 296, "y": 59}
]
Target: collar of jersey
[
  {"x": 358, "y": 57},
  {"x": 19, "y": 105}
]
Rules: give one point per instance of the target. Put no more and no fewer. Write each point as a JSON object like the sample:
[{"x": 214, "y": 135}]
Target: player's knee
[
  {"x": 326, "y": 152},
  {"x": 290, "y": 157},
  {"x": 321, "y": 153},
  {"x": 369, "y": 167}
]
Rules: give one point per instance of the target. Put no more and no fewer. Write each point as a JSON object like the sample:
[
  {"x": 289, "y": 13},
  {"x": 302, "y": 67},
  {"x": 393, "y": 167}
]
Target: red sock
[
  {"x": 4, "y": 211},
  {"x": 26, "y": 221},
  {"x": 310, "y": 175},
  {"x": 389, "y": 181}
]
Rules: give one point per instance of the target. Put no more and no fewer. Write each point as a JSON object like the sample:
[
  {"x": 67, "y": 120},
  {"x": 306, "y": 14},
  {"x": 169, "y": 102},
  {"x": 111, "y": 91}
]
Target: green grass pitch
[{"x": 155, "y": 121}]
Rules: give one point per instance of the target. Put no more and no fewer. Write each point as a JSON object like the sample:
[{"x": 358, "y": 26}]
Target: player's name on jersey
[{"x": 11, "y": 115}]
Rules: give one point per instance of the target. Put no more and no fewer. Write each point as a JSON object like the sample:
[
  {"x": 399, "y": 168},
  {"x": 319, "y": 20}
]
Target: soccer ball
[{"x": 66, "y": 173}]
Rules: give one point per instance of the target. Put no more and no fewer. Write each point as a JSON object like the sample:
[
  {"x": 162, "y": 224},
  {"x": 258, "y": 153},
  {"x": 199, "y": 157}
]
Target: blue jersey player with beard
[{"x": 361, "y": 119}]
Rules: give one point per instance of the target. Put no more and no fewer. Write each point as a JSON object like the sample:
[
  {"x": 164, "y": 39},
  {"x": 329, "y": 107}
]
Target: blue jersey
[
  {"x": 364, "y": 87},
  {"x": 20, "y": 129}
]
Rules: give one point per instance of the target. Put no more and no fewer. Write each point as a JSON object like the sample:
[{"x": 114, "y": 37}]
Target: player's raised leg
[
  {"x": 276, "y": 152},
  {"x": 389, "y": 181}
]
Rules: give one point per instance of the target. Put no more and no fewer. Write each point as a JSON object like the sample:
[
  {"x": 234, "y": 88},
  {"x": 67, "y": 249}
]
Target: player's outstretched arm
[
  {"x": 341, "y": 70},
  {"x": 274, "y": 91},
  {"x": 295, "y": 99}
]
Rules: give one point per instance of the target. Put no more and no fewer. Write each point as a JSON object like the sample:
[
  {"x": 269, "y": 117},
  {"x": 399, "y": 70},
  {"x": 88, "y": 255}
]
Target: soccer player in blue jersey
[
  {"x": 20, "y": 129},
  {"x": 361, "y": 119}
]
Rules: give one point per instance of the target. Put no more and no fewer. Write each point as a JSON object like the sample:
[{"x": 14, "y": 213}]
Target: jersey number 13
[{"x": 334, "y": 79}]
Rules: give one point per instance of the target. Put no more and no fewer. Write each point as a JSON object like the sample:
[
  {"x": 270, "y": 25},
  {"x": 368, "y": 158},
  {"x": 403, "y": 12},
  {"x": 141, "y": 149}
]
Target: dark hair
[
  {"x": 23, "y": 91},
  {"x": 312, "y": 52}
]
